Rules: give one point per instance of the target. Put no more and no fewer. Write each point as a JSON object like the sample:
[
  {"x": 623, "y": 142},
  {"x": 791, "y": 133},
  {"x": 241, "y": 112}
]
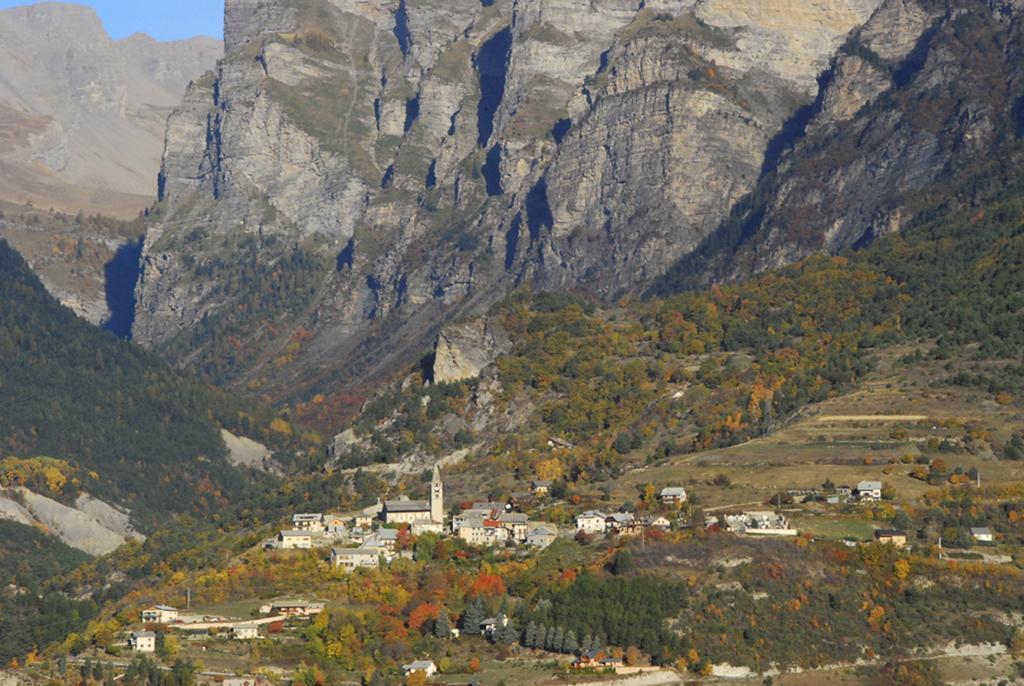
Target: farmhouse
[
  {"x": 869, "y": 491},
  {"x": 592, "y": 522},
  {"x": 143, "y": 642},
  {"x": 426, "y": 666},
  {"x": 657, "y": 522},
  {"x": 364, "y": 556},
  {"x": 294, "y": 540},
  {"x": 293, "y": 608},
  {"x": 245, "y": 632},
  {"x": 672, "y": 495},
  {"x": 540, "y": 487},
  {"x": 982, "y": 534},
  {"x": 891, "y": 537},
  {"x": 314, "y": 523},
  {"x": 596, "y": 659},
  {"x": 159, "y": 614}
]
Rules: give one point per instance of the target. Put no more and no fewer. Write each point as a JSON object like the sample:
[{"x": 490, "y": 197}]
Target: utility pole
[{"x": 188, "y": 598}]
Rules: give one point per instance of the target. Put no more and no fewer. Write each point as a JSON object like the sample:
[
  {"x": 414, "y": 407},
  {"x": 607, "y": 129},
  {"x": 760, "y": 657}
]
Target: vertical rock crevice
[{"x": 491, "y": 64}]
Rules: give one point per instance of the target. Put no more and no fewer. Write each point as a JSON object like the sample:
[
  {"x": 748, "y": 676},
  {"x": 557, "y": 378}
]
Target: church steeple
[{"x": 437, "y": 497}]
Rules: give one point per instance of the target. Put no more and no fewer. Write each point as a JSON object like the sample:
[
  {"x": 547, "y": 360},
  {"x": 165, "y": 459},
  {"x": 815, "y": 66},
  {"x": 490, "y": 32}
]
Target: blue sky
[{"x": 162, "y": 19}]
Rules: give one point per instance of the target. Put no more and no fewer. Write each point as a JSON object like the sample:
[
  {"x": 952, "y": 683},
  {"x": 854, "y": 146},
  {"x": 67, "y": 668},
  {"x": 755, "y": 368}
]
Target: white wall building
[
  {"x": 159, "y": 614},
  {"x": 592, "y": 522},
  {"x": 869, "y": 490},
  {"x": 294, "y": 540},
  {"x": 245, "y": 632},
  {"x": 312, "y": 522},
  {"x": 143, "y": 642},
  {"x": 353, "y": 558}
]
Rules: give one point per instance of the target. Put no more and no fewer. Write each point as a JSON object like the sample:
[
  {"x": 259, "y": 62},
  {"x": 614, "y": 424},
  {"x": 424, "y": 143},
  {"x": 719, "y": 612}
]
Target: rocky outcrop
[
  {"x": 92, "y": 526},
  {"x": 245, "y": 452},
  {"x": 83, "y": 115},
  {"x": 419, "y": 159},
  {"x": 919, "y": 99},
  {"x": 465, "y": 349}
]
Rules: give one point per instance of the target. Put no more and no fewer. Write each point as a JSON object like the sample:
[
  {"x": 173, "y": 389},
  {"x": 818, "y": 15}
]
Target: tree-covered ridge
[
  {"x": 31, "y": 617},
  {"x": 140, "y": 433},
  {"x": 710, "y": 368}
]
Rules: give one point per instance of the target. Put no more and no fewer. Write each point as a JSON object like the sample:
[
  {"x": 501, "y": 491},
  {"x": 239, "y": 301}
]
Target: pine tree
[
  {"x": 530, "y": 640},
  {"x": 569, "y": 644},
  {"x": 549, "y": 638},
  {"x": 507, "y": 634},
  {"x": 542, "y": 637},
  {"x": 442, "y": 625},
  {"x": 557, "y": 640},
  {"x": 472, "y": 617},
  {"x": 588, "y": 643}
]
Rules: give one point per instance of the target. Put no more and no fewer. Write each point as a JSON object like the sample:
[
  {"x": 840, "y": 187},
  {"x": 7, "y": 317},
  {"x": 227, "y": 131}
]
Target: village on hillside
[{"x": 376, "y": 537}]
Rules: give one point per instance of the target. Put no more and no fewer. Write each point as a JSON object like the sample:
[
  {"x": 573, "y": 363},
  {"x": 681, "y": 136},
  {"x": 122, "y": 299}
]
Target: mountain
[
  {"x": 355, "y": 173},
  {"x": 917, "y": 106},
  {"x": 84, "y": 115},
  {"x": 119, "y": 424}
]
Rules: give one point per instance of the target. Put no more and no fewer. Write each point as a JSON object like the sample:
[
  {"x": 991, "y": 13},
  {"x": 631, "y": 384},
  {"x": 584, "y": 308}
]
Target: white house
[
  {"x": 540, "y": 487},
  {"x": 245, "y": 632},
  {"x": 294, "y": 540},
  {"x": 869, "y": 490},
  {"x": 541, "y": 536},
  {"x": 982, "y": 534},
  {"x": 672, "y": 495},
  {"x": 657, "y": 522},
  {"x": 143, "y": 642},
  {"x": 516, "y": 524},
  {"x": 364, "y": 556},
  {"x": 159, "y": 614},
  {"x": 426, "y": 666},
  {"x": 483, "y": 532},
  {"x": 312, "y": 522},
  {"x": 591, "y": 522}
]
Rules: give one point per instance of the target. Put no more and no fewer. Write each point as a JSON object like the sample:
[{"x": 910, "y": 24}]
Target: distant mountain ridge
[{"x": 82, "y": 116}]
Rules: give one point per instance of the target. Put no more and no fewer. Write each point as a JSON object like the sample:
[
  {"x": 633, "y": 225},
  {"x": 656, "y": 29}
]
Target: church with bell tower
[
  {"x": 406, "y": 511},
  {"x": 437, "y": 497}
]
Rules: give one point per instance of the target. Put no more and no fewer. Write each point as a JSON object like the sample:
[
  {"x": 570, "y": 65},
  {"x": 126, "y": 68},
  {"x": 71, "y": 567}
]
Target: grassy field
[
  {"x": 893, "y": 414},
  {"x": 834, "y": 528}
]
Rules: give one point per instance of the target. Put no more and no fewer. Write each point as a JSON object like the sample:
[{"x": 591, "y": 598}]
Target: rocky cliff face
[
  {"x": 82, "y": 115},
  {"x": 921, "y": 98},
  {"x": 357, "y": 172},
  {"x": 465, "y": 349}
]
